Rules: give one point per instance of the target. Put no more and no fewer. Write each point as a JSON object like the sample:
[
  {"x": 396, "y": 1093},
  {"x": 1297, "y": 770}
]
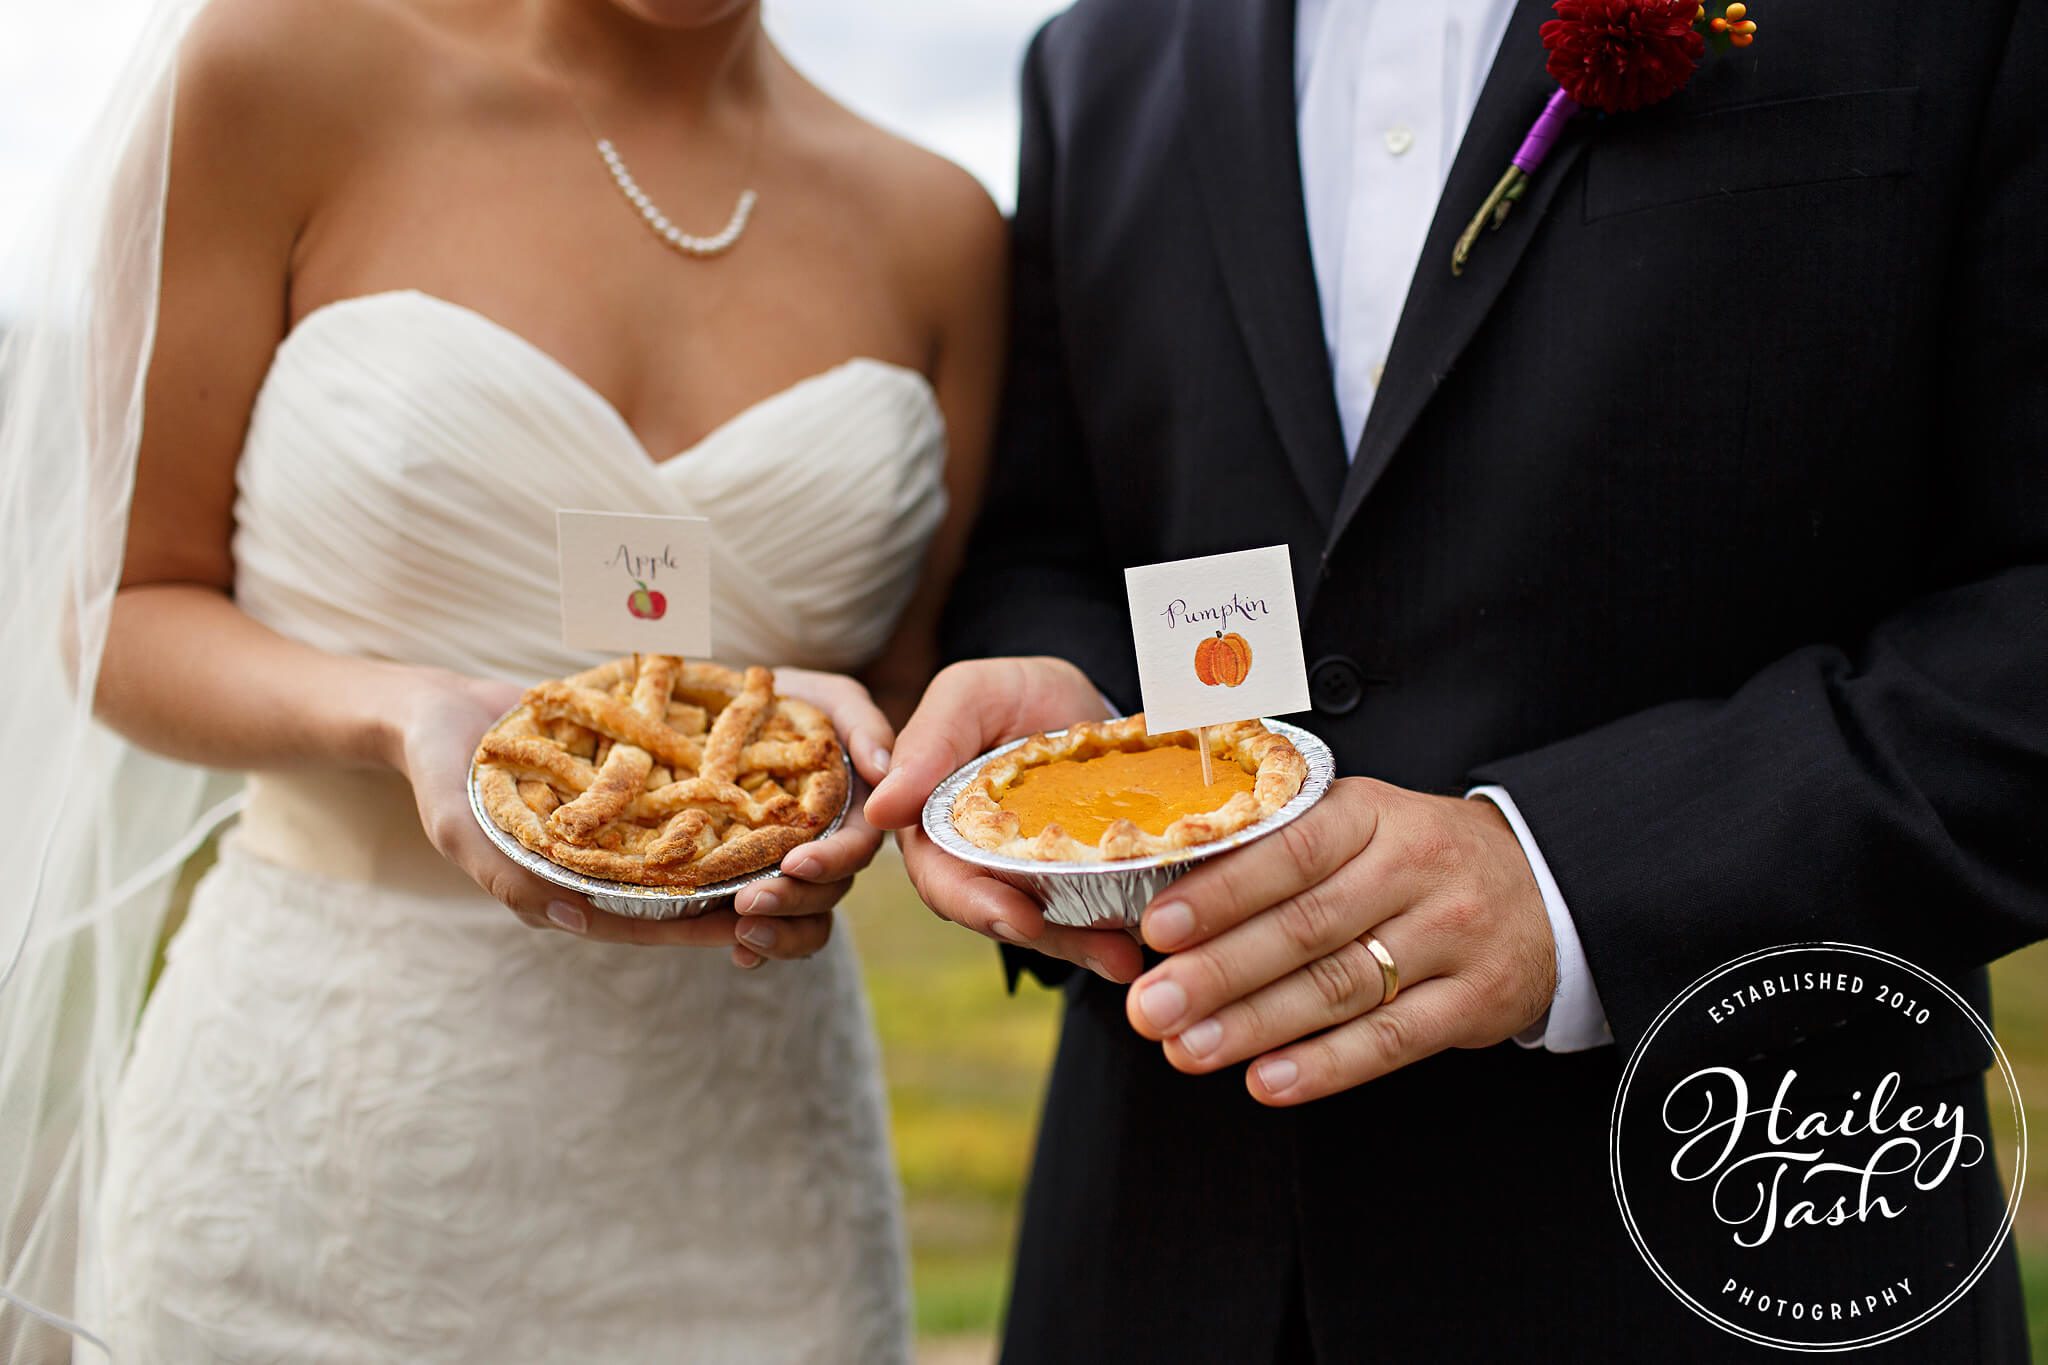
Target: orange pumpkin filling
[{"x": 1151, "y": 788}]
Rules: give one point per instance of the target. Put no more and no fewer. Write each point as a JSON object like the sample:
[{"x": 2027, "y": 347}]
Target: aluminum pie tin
[
  {"x": 624, "y": 898},
  {"x": 1112, "y": 895}
]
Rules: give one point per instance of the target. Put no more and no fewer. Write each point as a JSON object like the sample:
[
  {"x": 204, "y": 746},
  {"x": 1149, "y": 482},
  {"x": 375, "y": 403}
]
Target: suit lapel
[
  {"x": 1443, "y": 312},
  {"x": 1240, "y": 86}
]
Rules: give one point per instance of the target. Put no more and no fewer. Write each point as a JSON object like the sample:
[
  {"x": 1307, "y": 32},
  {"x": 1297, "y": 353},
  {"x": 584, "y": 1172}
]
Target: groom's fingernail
[
  {"x": 568, "y": 917},
  {"x": 1163, "y": 1003},
  {"x": 1201, "y": 1040},
  {"x": 808, "y": 869},
  {"x": 1169, "y": 924},
  {"x": 762, "y": 936},
  {"x": 1006, "y": 933},
  {"x": 1276, "y": 1074}
]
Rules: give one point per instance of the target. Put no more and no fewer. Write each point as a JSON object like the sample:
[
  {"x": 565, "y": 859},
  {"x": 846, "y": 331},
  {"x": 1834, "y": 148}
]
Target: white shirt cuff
[{"x": 1576, "y": 1020}]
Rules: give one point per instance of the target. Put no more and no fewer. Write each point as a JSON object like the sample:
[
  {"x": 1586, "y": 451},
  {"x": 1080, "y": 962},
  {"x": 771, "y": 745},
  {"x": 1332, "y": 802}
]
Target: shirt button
[
  {"x": 1335, "y": 685},
  {"x": 1400, "y": 138}
]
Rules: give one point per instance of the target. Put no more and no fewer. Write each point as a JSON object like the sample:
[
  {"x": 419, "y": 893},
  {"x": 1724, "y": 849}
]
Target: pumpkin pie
[
  {"x": 1108, "y": 790},
  {"x": 657, "y": 772}
]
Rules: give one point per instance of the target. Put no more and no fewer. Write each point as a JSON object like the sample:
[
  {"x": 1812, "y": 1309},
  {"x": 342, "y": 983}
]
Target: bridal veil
[{"x": 93, "y": 831}]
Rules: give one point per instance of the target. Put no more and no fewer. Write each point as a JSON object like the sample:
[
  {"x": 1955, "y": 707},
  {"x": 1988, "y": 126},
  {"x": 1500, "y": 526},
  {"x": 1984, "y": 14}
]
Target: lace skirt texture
[{"x": 363, "y": 1125}]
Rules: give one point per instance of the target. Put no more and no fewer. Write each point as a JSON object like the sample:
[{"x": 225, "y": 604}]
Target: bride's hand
[
  {"x": 815, "y": 875},
  {"x": 443, "y": 718}
]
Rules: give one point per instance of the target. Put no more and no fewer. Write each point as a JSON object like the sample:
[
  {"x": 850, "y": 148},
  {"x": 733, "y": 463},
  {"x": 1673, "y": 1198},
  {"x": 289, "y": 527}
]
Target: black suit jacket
[{"x": 1707, "y": 512}]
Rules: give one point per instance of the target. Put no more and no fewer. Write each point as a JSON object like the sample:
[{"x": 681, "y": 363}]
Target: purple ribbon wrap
[{"x": 1544, "y": 134}]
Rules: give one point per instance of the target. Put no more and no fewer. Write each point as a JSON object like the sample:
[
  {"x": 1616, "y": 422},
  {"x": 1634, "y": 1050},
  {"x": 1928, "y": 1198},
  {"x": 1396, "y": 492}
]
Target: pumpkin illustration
[{"x": 1224, "y": 659}]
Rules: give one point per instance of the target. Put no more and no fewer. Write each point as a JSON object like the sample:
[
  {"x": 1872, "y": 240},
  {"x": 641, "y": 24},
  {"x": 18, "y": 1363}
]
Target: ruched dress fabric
[{"x": 370, "y": 1116}]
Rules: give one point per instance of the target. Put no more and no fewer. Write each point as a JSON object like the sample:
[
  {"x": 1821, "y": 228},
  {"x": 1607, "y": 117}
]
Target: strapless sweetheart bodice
[{"x": 406, "y": 457}]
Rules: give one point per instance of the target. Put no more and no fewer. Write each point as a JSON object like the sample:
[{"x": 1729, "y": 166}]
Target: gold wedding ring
[{"x": 1390, "y": 975}]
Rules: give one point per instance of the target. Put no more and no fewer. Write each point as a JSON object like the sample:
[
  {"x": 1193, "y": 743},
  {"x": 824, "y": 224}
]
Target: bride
[{"x": 431, "y": 270}]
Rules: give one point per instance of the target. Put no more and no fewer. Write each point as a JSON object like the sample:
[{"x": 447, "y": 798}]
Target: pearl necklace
[{"x": 658, "y": 222}]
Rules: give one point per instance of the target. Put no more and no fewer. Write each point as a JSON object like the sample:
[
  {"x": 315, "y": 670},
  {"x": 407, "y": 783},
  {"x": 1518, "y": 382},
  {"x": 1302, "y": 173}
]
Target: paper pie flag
[
  {"x": 1218, "y": 639},
  {"x": 635, "y": 584}
]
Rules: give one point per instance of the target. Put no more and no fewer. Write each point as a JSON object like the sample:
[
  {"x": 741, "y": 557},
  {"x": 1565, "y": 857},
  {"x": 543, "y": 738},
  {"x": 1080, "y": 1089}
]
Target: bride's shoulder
[
  {"x": 274, "y": 46},
  {"x": 940, "y": 217},
  {"x": 303, "y": 67},
  {"x": 943, "y": 227},
  {"x": 285, "y": 100}
]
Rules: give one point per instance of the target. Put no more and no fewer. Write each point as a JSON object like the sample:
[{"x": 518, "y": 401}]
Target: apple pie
[
  {"x": 1108, "y": 790},
  {"x": 658, "y": 772}
]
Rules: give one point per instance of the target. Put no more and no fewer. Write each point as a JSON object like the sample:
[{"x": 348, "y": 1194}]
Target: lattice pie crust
[{"x": 658, "y": 772}]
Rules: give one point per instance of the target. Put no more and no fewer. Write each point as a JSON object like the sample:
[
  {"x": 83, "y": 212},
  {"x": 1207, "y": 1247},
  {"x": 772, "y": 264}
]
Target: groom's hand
[
  {"x": 969, "y": 709},
  {"x": 1268, "y": 960}
]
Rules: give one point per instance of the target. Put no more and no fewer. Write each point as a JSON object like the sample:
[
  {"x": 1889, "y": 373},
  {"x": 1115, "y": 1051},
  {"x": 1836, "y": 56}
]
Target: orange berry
[
  {"x": 1742, "y": 39},
  {"x": 1699, "y": 14},
  {"x": 1747, "y": 26},
  {"x": 1719, "y": 26},
  {"x": 1736, "y": 11}
]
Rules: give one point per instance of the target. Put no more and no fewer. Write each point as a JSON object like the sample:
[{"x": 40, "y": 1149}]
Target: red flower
[{"x": 1616, "y": 55}]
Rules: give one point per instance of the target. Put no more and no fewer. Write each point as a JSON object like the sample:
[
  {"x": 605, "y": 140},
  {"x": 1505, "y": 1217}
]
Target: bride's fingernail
[
  {"x": 1006, "y": 933},
  {"x": 762, "y": 936},
  {"x": 568, "y": 917},
  {"x": 881, "y": 761}
]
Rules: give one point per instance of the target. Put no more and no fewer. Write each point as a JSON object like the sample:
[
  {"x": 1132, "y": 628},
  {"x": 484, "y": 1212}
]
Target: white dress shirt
[{"x": 1383, "y": 90}]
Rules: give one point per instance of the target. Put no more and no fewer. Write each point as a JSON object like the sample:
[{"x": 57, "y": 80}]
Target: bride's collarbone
[{"x": 517, "y": 220}]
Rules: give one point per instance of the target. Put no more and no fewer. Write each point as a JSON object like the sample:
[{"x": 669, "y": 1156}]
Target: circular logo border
[{"x": 2012, "y": 1203}]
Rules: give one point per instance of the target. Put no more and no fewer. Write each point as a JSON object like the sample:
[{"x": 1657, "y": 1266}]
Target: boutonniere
[{"x": 1609, "y": 56}]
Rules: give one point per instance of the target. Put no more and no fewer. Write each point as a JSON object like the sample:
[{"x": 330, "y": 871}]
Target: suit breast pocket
[{"x": 1638, "y": 162}]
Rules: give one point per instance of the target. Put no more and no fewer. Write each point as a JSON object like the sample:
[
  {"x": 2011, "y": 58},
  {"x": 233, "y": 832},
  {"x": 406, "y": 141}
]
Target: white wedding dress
[{"x": 370, "y": 1116}]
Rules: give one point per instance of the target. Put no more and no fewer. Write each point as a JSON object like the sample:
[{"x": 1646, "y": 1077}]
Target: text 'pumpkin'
[{"x": 1224, "y": 659}]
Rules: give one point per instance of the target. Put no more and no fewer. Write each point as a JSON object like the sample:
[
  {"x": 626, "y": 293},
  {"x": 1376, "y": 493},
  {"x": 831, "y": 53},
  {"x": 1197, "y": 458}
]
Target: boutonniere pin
[{"x": 1609, "y": 56}]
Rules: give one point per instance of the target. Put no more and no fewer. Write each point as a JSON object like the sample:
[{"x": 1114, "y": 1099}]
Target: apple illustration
[{"x": 645, "y": 603}]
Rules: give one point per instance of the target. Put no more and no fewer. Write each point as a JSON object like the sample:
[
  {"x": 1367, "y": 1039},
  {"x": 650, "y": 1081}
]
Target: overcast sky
[{"x": 940, "y": 71}]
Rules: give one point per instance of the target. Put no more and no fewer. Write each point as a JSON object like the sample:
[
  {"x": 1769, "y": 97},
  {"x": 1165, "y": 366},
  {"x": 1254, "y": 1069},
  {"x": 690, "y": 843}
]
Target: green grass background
[
  {"x": 966, "y": 1065},
  {"x": 2019, "y": 1016}
]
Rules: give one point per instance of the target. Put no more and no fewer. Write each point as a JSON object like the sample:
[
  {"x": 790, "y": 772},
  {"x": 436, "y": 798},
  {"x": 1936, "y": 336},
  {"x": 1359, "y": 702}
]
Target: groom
[{"x": 1673, "y": 584}]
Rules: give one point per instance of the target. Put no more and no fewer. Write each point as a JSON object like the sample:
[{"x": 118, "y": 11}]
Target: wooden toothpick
[{"x": 1202, "y": 743}]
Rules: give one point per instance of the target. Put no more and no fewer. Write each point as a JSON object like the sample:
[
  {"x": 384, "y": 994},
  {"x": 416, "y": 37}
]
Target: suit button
[{"x": 1335, "y": 685}]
